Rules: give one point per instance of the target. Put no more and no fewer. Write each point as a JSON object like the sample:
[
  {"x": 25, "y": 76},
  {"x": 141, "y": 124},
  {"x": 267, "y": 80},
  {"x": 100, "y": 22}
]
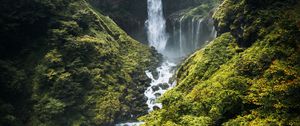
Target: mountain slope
[
  {"x": 62, "y": 63},
  {"x": 249, "y": 75}
]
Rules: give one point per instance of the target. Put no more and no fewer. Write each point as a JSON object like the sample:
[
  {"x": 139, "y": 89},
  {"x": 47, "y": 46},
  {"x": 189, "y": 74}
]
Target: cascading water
[
  {"x": 158, "y": 38},
  {"x": 185, "y": 40},
  {"x": 180, "y": 36},
  {"x": 198, "y": 31},
  {"x": 160, "y": 85},
  {"x": 156, "y": 25},
  {"x": 189, "y": 34}
]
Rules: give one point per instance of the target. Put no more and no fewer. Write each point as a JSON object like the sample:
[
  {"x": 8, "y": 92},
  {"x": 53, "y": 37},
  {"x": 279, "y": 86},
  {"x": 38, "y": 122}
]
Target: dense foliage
[
  {"x": 62, "y": 63},
  {"x": 249, "y": 75}
]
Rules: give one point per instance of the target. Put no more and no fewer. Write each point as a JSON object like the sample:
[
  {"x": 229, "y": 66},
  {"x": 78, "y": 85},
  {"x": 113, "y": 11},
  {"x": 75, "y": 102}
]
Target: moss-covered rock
[{"x": 240, "y": 78}]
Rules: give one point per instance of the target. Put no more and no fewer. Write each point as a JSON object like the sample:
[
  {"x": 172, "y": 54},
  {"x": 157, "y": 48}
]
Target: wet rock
[
  {"x": 164, "y": 86},
  {"x": 157, "y": 94},
  {"x": 172, "y": 79},
  {"x": 152, "y": 101},
  {"x": 155, "y": 75},
  {"x": 155, "y": 88},
  {"x": 155, "y": 108}
]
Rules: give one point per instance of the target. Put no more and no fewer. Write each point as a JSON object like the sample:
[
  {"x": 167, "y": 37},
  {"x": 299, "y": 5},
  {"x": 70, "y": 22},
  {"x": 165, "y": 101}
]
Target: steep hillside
[
  {"x": 62, "y": 63},
  {"x": 249, "y": 75}
]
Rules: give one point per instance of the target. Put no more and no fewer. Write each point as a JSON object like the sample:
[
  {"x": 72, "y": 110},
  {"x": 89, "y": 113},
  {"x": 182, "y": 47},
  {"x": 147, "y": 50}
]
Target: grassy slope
[
  {"x": 83, "y": 70},
  {"x": 249, "y": 75}
]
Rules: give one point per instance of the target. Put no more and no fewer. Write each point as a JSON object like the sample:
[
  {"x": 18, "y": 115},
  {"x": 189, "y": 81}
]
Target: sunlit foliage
[{"x": 249, "y": 75}]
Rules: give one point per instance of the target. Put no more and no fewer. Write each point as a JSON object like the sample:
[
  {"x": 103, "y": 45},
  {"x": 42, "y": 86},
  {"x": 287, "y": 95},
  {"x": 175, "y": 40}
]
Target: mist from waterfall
[{"x": 156, "y": 25}]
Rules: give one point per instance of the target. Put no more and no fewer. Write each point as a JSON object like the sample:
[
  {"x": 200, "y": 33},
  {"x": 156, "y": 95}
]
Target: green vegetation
[
  {"x": 204, "y": 9},
  {"x": 62, "y": 63},
  {"x": 172, "y": 6},
  {"x": 249, "y": 75}
]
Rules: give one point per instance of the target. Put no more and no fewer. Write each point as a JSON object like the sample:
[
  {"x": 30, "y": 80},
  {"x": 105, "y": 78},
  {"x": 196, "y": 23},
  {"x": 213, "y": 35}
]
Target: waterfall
[
  {"x": 180, "y": 36},
  {"x": 191, "y": 33},
  {"x": 156, "y": 25},
  {"x": 185, "y": 40},
  {"x": 158, "y": 38},
  {"x": 214, "y": 32},
  {"x": 198, "y": 31}
]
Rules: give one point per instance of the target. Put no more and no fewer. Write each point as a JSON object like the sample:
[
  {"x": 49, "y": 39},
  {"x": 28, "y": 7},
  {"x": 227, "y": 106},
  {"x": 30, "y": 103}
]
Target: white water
[
  {"x": 160, "y": 85},
  {"x": 193, "y": 31},
  {"x": 198, "y": 31},
  {"x": 180, "y": 36},
  {"x": 156, "y": 25},
  {"x": 130, "y": 124},
  {"x": 158, "y": 38}
]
